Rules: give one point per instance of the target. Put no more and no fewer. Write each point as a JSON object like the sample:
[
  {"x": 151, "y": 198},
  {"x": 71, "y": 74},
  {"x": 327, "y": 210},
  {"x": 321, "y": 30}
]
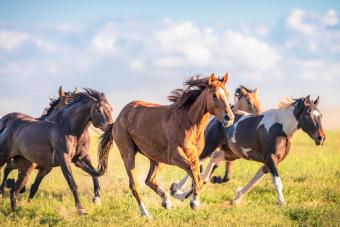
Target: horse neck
[
  {"x": 77, "y": 117},
  {"x": 198, "y": 111},
  {"x": 288, "y": 120}
]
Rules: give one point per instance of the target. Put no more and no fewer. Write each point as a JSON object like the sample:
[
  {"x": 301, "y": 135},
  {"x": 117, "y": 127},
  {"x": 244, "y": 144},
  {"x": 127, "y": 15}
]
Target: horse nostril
[
  {"x": 226, "y": 118},
  {"x": 319, "y": 138}
]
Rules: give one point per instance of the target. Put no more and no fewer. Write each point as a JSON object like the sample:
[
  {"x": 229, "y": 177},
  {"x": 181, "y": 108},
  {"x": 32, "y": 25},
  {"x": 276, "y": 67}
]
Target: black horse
[{"x": 53, "y": 141}]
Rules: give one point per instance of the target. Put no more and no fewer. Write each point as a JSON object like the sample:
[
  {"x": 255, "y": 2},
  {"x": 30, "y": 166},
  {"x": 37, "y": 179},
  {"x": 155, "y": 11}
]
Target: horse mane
[
  {"x": 84, "y": 96},
  {"x": 49, "y": 109},
  {"x": 286, "y": 102},
  {"x": 183, "y": 97}
]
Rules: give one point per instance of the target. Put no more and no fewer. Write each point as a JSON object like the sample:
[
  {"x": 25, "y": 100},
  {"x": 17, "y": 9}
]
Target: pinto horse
[
  {"x": 53, "y": 142},
  {"x": 244, "y": 100},
  {"x": 170, "y": 134},
  {"x": 266, "y": 138}
]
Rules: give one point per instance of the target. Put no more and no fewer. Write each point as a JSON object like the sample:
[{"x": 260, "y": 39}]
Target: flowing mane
[
  {"x": 183, "y": 97},
  {"x": 286, "y": 103},
  {"x": 83, "y": 96},
  {"x": 49, "y": 109}
]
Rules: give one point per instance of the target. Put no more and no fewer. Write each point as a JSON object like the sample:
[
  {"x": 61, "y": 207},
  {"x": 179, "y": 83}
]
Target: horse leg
[
  {"x": 86, "y": 164},
  {"x": 178, "y": 187},
  {"x": 193, "y": 170},
  {"x": 216, "y": 157},
  {"x": 24, "y": 174},
  {"x": 9, "y": 167},
  {"x": 65, "y": 164},
  {"x": 242, "y": 191},
  {"x": 272, "y": 166},
  {"x": 155, "y": 168},
  {"x": 40, "y": 176},
  {"x": 218, "y": 179}
]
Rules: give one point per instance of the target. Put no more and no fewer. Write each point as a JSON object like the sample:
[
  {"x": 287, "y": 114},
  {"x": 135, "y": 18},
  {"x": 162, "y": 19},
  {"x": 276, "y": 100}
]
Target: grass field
[{"x": 311, "y": 186}]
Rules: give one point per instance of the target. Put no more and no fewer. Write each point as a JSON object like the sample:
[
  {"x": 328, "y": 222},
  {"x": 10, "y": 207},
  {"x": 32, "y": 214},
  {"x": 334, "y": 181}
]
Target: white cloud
[
  {"x": 105, "y": 40},
  {"x": 10, "y": 40},
  {"x": 314, "y": 31},
  {"x": 137, "y": 65}
]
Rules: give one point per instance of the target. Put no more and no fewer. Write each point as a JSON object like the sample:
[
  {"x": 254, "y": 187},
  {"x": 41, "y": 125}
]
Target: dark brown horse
[
  {"x": 81, "y": 159},
  {"x": 266, "y": 138},
  {"x": 11, "y": 120},
  {"x": 244, "y": 100},
  {"x": 171, "y": 134},
  {"x": 53, "y": 141}
]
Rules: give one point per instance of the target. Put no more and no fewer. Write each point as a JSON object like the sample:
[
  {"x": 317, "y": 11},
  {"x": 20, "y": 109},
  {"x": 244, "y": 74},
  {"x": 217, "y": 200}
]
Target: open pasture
[{"x": 310, "y": 176}]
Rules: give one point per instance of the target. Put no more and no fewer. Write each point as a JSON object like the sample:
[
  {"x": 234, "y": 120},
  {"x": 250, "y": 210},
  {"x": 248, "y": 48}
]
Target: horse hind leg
[
  {"x": 128, "y": 151},
  {"x": 155, "y": 168},
  {"x": 8, "y": 169},
  {"x": 242, "y": 191},
  {"x": 40, "y": 176},
  {"x": 24, "y": 174}
]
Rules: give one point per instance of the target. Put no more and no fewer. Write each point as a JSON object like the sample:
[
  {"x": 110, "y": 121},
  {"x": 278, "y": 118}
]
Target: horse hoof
[
  {"x": 81, "y": 211},
  {"x": 173, "y": 188},
  {"x": 282, "y": 203},
  {"x": 194, "y": 204},
  {"x": 237, "y": 197},
  {"x": 97, "y": 201},
  {"x": 166, "y": 204},
  {"x": 235, "y": 202}
]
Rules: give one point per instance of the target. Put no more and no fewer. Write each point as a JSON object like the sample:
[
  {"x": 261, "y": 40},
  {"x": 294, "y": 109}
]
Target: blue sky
[{"x": 144, "y": 49}]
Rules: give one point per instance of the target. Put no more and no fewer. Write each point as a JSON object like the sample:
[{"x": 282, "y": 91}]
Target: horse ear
[
  {"x": 307, "y": 100},
  {"x": 256, "y": 90},
  {"x": 243, "y": 91},
  {"x": 225, "y": 78},
  {"x": 317, "y": 100},
  {"x": 75, "y": 90},
  {"x": 61, "y": 91},
  {"x": 212, "y": 79}
]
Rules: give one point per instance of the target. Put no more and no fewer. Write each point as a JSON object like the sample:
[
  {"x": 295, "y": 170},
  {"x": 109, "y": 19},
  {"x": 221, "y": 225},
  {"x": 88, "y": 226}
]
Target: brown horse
[
  {"x": 11, "y": 120},
  {"x": 53, "y": 142},
  {"x": 244, "y": 100},
  {"x": 171, "y": 134}
]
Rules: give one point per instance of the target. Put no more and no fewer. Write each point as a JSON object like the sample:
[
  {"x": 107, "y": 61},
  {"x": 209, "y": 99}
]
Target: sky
[{"x": 141, "y": 50}]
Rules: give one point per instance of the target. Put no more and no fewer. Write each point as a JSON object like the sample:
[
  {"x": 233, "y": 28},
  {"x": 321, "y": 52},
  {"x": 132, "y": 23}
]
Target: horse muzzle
[
  {"x": 227, "y": 121},
  {"x": 320, "y": 140}
]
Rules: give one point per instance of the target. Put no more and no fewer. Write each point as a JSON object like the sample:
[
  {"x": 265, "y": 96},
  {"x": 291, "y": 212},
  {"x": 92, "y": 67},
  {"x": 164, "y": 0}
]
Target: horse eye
[{"x": 214, "y": 95}]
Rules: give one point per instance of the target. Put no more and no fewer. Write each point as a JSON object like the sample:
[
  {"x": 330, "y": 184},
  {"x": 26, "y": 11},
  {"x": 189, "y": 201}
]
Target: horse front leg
[
  {"x": 65, "y": 164},
  {"x": 86, "y": 165},
  {"x": 272, "y": 166}
]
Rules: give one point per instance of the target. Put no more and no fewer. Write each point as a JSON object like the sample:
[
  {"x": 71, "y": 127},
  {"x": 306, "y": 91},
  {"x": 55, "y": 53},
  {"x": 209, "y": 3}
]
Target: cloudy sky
[{"x": 144, "y": 49}]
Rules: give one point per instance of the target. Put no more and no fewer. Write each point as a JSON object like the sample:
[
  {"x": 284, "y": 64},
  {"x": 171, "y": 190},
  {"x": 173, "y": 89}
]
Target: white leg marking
[
  {"x": 278, "y": 187},
  {"x": 143, "y": 211},
  {"x": 216, "y": 157},
  {"x": 240, "y": 192}
]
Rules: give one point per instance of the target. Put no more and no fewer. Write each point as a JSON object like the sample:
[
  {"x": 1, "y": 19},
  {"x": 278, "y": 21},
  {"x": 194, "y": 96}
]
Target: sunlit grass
[{"x": 310, "y": 175}]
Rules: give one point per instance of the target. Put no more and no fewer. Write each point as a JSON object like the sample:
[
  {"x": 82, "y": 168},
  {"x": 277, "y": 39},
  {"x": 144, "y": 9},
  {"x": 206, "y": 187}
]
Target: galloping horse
[
  {"x": 11, "y": 120},
  {"x": 244, "y": 100},
  {"x": 53, "y": 142},
  {"x": 266, "y": 138},
  {"x": 81, "y": 158},
  {"x": 171, "y": 134}
]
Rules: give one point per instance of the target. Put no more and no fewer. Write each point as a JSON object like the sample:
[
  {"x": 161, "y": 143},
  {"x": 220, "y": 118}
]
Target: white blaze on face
[
  {"x": 223, "y": 95},
  {"x": 316, "y": 113}
]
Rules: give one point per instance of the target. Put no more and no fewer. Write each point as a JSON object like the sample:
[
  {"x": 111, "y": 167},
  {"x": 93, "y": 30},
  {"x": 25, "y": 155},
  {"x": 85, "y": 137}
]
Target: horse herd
[{"x": 181, "y": 134}]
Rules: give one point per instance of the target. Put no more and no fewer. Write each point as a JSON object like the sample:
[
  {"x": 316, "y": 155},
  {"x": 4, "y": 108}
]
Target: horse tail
[{"x": 105, "y": 144}]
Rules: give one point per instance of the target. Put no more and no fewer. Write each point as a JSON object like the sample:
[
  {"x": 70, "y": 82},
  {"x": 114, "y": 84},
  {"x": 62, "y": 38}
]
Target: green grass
[{"x": 310, "y": 175}]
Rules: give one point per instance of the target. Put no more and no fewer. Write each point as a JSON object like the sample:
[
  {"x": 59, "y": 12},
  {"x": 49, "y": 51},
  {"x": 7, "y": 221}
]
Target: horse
[
  {"x": 266, "y": 138},
  {"x": 244, "y": 100},
  {"x": 11, "y": 119},
  {"x": 81, "y": 159},
  {"x": 53, "y": 141},
  {"x": 169, "y": 134}
]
